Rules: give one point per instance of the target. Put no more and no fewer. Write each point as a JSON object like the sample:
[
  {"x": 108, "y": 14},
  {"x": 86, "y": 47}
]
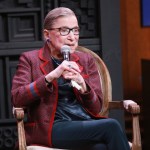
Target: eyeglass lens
[{"x": 66, "y": 31}]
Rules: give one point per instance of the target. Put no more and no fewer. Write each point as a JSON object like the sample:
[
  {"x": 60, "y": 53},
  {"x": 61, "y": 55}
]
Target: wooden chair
[{"x": 108, "y": 104}]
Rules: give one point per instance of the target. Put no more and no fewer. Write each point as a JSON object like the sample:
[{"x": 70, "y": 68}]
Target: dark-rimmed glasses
[{"x": 65, "y": 31}]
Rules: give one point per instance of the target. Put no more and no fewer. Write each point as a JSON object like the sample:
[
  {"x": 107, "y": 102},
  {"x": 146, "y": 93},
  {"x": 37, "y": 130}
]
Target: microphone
[{"x": 65, "y": 50}]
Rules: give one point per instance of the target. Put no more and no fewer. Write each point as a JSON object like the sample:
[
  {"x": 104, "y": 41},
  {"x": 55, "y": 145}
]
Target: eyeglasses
[{"x": 65, "y": 31}]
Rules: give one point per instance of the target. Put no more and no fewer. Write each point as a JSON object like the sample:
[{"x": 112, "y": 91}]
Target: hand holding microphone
[{"x": 65, "y": 50}]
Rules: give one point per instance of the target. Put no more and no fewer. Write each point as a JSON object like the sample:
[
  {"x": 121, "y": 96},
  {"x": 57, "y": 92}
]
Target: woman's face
[{"x": 56, "y": 40}]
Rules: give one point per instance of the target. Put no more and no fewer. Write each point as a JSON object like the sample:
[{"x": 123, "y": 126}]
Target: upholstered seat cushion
[
  {"x": 100, "y": 146},
  {"x": 40, "y": 148}
]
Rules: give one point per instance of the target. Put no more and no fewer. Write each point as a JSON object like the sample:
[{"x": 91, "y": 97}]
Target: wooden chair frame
[{"x": 108, "y": 104}]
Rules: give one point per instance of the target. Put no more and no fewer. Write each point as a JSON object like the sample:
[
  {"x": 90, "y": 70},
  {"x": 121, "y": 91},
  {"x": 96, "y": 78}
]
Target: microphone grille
[{"x": 65, "y": 48}]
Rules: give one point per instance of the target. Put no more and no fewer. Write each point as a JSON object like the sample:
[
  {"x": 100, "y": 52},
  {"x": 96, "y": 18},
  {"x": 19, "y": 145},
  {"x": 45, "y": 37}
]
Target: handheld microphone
[{"x": 65, "y": 50}]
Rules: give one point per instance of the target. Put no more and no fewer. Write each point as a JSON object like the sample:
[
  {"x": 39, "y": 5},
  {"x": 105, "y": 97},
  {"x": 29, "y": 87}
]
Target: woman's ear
[{"x": 46, "y": 35}]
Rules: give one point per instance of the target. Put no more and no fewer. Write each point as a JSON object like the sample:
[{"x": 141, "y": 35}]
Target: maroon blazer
[{"x": 29, "y": 90}]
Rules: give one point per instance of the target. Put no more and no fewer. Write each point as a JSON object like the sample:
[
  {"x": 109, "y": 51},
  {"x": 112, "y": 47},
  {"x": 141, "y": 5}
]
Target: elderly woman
[{"x": 60, "y": 115}]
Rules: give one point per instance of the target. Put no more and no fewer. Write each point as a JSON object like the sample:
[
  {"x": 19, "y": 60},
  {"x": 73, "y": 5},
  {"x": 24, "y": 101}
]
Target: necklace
[{"x": 56, "y": 61}]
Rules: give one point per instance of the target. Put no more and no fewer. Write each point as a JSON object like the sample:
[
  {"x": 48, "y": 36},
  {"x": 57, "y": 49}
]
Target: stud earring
[{"x": 48, "y": 40}]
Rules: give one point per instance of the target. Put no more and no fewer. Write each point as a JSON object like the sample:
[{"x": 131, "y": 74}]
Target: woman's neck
[
  {"x": 55, "y": 53},
  {"x": 57, "y": 56}
]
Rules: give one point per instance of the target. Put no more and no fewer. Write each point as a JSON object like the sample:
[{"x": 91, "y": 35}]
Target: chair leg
[
  {"x": 136, "y": 144},
  {"x": 21, "y": 136}
]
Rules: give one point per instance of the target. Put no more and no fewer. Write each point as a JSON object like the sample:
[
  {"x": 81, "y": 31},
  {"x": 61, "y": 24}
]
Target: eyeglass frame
[{"x": 70, "y": 29}]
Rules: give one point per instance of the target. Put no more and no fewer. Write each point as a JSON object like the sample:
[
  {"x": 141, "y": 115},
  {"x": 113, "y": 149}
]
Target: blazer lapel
[
  {"x": 75, "y": 57},
  {"x": 46, "y": 63}
]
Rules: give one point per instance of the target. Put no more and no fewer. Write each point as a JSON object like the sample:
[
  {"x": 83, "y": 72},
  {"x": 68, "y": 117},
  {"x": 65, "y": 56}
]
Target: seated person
[{"x": 59, "y": 114}]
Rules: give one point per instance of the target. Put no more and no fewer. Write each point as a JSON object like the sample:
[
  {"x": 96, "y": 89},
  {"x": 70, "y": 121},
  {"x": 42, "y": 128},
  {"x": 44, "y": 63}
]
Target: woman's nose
[{"x": 71, "y": 35}]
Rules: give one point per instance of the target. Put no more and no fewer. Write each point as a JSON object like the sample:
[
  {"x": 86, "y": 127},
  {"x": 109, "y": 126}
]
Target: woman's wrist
[{"x": 48, "y": 80}]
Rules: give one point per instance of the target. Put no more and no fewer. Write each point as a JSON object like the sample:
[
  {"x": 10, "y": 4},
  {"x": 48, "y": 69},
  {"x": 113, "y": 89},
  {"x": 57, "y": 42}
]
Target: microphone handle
[{"x": 66, "y": 56}]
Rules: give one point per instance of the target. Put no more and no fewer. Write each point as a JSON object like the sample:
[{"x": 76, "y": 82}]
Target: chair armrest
[
  {"x": 19, "y": 115},
  {"x": 129, "y": 105},
  {"x": 115, "y": 105},
  {"x": 134, "y": 109}
]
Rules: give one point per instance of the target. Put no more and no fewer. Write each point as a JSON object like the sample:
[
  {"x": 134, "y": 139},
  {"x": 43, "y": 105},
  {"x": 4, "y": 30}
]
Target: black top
[{"x": 68, "y": 108}]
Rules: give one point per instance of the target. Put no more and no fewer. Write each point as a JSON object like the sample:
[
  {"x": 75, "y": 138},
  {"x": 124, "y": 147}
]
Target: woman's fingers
[
  {"x": 73, "y": 76},
  {"x": 70, "y": 66}
]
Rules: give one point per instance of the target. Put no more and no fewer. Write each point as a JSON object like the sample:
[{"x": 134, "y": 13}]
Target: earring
[{"x": 48, "y": 40}]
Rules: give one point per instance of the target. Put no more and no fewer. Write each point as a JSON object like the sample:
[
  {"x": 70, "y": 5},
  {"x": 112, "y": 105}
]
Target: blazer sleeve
[
  {"x": 91, "y": 100},
  {"x": 25, "y": 91}
]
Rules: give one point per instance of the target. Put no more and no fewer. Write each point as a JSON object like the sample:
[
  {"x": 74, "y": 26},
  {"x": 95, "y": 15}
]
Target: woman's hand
[
  {"x": 64, "y": 66},
  {"x": 74, "y": 74},
  {"x": 69, "y": 70}
]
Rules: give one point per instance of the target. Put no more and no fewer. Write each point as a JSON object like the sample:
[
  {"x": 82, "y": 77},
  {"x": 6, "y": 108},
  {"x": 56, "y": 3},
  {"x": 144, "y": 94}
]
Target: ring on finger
[{"x": 69, "y": 66}]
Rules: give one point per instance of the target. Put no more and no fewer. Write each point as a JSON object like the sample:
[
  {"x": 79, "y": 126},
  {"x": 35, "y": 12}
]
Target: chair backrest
[{"x": 104, "y": 78}]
